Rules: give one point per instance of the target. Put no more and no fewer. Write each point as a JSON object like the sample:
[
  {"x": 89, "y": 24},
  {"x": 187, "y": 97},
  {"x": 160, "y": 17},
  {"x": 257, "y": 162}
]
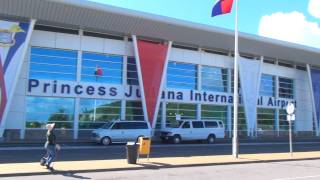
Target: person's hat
[{"x": 50, "y": 126}]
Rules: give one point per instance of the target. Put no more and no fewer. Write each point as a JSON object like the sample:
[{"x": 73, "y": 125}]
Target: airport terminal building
[{"x": 81, "y": 64}]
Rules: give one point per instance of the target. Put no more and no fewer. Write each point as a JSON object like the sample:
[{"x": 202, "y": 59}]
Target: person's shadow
[{"x": 69, "y": 174}]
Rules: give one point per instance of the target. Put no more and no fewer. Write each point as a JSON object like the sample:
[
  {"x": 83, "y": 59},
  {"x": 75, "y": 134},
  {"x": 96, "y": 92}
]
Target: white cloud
[
  {"x": 314, "y": 8},
  {"x": 292, "y": 27}
]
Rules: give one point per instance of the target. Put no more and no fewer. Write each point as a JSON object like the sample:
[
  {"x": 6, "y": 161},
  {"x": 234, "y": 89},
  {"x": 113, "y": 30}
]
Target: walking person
[{"x": 50, "y": 146}]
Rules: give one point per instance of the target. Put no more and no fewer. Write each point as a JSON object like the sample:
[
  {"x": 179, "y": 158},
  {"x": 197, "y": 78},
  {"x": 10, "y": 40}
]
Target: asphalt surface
[
  {"x": 96, "y": 152},
  {"x": 293, "y": 170}
]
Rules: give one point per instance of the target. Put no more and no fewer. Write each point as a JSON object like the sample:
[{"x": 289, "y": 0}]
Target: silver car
[{"x": 121, "y": 131}]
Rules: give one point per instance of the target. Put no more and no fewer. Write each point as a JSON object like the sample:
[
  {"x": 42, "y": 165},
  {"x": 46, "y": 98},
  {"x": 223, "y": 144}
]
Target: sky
[{"x": 296, "y": 21}]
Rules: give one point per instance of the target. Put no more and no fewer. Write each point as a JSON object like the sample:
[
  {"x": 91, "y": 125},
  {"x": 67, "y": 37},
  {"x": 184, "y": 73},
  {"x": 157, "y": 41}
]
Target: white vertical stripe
[{"x": 314, "y": 112}]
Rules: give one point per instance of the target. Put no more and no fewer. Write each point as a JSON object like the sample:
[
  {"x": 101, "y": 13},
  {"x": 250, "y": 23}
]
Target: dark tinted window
[
  {"x": 116, "y": 126},
  {"x": 130, "y": 125},
  {"x": 211, "y": 124},
  {"x": 197, "y": 124},
  {"x": 221, "y": 124},
  {"x": 186, "y": 125},
  {"x": 141, "y": 125}
]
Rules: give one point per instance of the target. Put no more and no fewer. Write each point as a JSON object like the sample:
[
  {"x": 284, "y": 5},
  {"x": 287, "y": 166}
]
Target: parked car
[
  {"x": 121, "y": 131},
  {"x": 186, "y": 130}
]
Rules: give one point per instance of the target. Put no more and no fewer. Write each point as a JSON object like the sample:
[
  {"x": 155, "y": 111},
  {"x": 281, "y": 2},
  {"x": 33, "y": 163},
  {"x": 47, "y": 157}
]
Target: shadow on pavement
[{"x": 146, "y": 166}]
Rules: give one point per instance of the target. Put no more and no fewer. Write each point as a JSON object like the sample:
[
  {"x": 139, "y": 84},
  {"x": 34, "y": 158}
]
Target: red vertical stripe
[
  {"x": 226, "y": 6},
  {"x": 152, "y": 62},
  {"x": 3, "y": 92}
]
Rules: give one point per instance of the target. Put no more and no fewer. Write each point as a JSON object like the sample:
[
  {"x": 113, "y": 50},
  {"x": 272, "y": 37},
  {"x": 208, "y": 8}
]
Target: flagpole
[{"x": 235, "y": 145}]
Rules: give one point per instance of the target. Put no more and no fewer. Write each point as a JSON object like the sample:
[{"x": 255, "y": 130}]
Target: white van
[
  {"x": 121, "y": 131},
  {"x": 185, "y": 130}
]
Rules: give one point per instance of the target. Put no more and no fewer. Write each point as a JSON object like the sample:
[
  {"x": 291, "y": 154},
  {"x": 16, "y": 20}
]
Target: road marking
[
  {"x": 303, "y": 177},
  {"x": 67, "y": 147}
]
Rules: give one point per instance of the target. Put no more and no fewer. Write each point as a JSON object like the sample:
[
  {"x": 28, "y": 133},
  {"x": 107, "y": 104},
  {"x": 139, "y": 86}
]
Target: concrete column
[
  {"x": 276, "y": 93},
  {"x": 76, "y": 119},
  {"x": 123, "y": 109},
  {"x": 163, "y": 114},
  {"x": 199, "y": 85}
]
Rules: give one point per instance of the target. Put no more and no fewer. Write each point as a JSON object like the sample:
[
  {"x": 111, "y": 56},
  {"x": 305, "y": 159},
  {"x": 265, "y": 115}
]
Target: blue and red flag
[
  {"x": 98, "y": 71},
  {"x": 222, "y": 7}
]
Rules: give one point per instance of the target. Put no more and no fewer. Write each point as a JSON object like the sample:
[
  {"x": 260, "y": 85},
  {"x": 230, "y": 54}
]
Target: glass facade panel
[
  {"x": 132, "y": 73},
  {"x": 266, "y": 119},
  {"x": 43, "y": 110},
  {"x": 214, "y": 79},
  {"x": 53, "y": 64},
  {"x": 93, "y": 113},
  {"x": 267, "y": 85},
  {"x": 242, "y": 124},
  {"x": 214, "y": 112},
  {"x": 111, "y": 66},
  {"x": 134, "y": 111},
  {"x": 181, "y": 75},
  {"x": 186, "y": 111},
  {"x": 286, "y": 88}
]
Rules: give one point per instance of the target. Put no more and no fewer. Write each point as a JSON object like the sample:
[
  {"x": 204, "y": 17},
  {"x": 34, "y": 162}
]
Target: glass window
[
  {"x": 197, "y": 124},
  {"x": 211, "y": 124},
  {"x": 267, "y": 85},
  {"x": 181, "y": 75},
  {"x": 266, "y": 119},
  {"x": 130, "y": 125},
  {"x": 134, "y": 111},
  {"x": 214, "y": 112},
  {"x": 286, "y": 88},
  {"x": 93, "y": 113},
  {"x": 43, "y": 110},
  {"x": 283, "y": 123},
  {"x": 214, "y": 79},
  {"x": 110, "y": 65},
  {"x": 132, "y": 73},
  {"x": 116, "y": 125},
  {"x": 186, "y": 125},
  {"x": 186, "y": 111},
  {"x": 53, "y": 64},
  {"x": 242, "y": 124}
]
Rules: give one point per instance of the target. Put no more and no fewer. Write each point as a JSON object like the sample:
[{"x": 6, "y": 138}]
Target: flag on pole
[
  {"x": 98, "y": 71},
  {"x": 222, "y": 7}
]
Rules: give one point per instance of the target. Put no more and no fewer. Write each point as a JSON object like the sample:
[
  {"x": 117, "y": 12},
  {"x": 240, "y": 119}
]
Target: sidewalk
[{"x": 24, "y": 169}]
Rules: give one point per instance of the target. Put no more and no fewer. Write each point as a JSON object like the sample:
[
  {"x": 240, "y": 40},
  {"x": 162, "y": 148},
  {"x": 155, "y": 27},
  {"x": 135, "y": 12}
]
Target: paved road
[
  {"x": 293, "y": 170},
  {"x": 75, "y": 153}
]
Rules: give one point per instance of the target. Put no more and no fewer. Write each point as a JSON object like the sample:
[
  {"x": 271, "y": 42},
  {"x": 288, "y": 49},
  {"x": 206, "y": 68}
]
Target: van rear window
[{"x": 211, "y": 124}]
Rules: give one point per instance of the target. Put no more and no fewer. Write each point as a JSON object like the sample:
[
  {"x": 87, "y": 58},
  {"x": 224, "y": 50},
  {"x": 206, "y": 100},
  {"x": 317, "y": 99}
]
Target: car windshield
[
  {"x": 175, "y": 124},
  {"x": 106, "y": 125}
]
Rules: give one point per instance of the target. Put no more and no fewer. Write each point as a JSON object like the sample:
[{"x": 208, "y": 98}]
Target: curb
[
  {"x": 150, "y": 166},
  {"x": 90, "y": 146}
]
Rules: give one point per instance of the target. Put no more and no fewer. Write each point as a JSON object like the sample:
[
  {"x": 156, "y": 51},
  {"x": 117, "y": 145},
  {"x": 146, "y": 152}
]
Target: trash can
[
  {"x": 132, "y": 152},
  {"x": 145, "y": 143}
]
